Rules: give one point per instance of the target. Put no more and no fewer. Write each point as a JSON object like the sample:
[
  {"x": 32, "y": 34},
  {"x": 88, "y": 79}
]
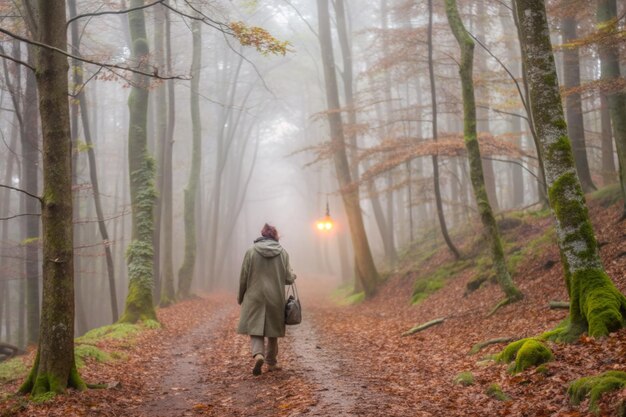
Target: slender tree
[
  {"x": 367, "y": 275},
  {"x": 609, "y": 57},
  {"x": 573, "y": 103},
  {"x": 54, "y": 368},
  {"x": 168, "y": 291},
  {"x": 435, "y": 129},
  {"x": 185, "y": 274},
  {"x": 140, "y": 252},
  {"x": 93, "y": 170},
  {"x": 596, "y": 306},
  {"x": 490, "y": 227}
]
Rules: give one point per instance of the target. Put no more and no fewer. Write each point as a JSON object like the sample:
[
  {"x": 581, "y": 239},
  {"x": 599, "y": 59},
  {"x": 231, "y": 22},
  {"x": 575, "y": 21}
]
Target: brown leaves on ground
[{"x": 353, "y": 360}]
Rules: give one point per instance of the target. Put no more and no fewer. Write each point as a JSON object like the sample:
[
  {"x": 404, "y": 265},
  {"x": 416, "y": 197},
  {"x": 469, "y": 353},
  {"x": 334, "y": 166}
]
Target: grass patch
[
  {"x": 119, "y": 331},
  {"x": 12, "y": 369},
  {"x": 464, "y": 378},
  {"x": 345, "y": 296},
  {"x": 495, "y": 391},
  {"x": 82, "y": 352},
  {"x": 428, "y": 284}
]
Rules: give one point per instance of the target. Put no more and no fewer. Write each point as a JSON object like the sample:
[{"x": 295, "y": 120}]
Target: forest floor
[{"x": 351, "y": 360}]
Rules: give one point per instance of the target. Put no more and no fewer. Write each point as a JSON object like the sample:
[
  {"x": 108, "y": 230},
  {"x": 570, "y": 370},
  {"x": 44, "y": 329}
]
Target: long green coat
[{"x": 264, "y": 274}]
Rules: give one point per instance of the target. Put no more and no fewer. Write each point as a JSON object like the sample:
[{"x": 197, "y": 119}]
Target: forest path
[{"x": 208, "y": 371}]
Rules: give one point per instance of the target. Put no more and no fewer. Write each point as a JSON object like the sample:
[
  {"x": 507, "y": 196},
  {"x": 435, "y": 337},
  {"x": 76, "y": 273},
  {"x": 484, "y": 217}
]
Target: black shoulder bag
[{"x": 293, "y": 309}]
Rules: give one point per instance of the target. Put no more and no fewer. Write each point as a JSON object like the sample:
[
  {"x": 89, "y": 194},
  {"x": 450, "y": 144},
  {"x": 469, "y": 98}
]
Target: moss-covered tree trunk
[
  {"x": 490, "y": 226},
  {"x": 54, "y": 369},
  {"x": 366, "y": 272},
  {"x": 609, "y": 57},
  {"x": 140, "y": 252},
  {"x": 573, "y": 103},
  {"x": 435, "y": 158},
  {"x": 596, "y": 306},
  {"x": 185, "y": 274}
]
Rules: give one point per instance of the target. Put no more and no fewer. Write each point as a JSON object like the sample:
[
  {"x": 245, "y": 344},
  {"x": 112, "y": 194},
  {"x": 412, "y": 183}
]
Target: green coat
[{"x": 264, "y": 274}]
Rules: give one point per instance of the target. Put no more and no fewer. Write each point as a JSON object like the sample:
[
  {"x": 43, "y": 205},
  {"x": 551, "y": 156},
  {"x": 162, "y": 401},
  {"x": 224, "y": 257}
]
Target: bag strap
[{"x": 293, "y": 290}]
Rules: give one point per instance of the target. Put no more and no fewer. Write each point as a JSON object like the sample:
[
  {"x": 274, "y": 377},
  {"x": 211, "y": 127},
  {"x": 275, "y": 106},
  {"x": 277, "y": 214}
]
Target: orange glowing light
[{"x": 325, "y": 224}]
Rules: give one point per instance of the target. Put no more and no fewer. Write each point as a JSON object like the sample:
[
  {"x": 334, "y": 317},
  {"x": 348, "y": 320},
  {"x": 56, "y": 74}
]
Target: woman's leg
[
  {"x": 272, "y": 351},
  {"x": 256, "y": 344}
]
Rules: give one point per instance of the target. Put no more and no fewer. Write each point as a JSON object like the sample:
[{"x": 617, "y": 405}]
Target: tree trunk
[
  {"x": 54, "y": 368},
  {"x": 596, "y": 306},
  {"x": 93, "y": 170},
  {"x": 185, "y": 274},
  {"x": 31, "y": 154},
  {"x": 364, "y": 262},
  {"x": 140, "y": 252},
  {"x": 609, "y": 57},
  {"x": 168, "y": 293},
  {"x": 435, "y": 158},
  {"x": 573, "y": 104},
  {"x": 608, "y": 158},
  {"x": 490, "y": 226}
]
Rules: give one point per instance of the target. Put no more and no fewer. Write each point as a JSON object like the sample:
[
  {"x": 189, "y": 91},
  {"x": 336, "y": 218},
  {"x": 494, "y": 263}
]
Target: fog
[{"x": 266, "y": 151}]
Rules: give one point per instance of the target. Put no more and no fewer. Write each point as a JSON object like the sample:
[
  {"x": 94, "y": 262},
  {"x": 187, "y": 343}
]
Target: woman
[{"x": 264, "y": 274}]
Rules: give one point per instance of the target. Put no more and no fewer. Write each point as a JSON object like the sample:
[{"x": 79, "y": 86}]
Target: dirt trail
[
  {"x": 180, "y": 390},
  {"x": 338, "y": 392}
]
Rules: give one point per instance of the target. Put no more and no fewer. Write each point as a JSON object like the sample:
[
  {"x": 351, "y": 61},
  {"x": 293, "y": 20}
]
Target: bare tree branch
[
  {"x": 154, "y": 74},
  {"x": 80, "y": 16},
  {"x": 21, "y": 191},
  {"x": 19, "y": 215}
]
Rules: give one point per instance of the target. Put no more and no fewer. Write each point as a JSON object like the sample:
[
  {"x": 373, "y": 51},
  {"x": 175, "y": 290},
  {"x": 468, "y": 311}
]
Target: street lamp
[{"x": 325, "y": 224}]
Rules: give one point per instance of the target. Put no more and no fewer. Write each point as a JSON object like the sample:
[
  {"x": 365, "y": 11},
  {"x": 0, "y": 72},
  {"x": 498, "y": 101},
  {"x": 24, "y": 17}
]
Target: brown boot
[
  {"x": 258, "y": 364},
  {"x": 274, "y": 368}
]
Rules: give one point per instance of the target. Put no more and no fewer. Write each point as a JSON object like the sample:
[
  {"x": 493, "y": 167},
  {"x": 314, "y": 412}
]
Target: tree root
[
  {"x": 481, "y": 345},
  {"x": 559, "y": 305},
  {"x": 423, "y": 326},
  {"x": 500, "y": 305}
]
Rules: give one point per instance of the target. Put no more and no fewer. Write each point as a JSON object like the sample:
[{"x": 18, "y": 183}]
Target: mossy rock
[
  {"x": 12, "y": 370},
  {"x": 464, "y": 378},
  {"x": 495, "y": 391},
  {"x": 82, "y": 352},
  {"x": 594, "y": 386},
  {"x": 524, "y": 353}
]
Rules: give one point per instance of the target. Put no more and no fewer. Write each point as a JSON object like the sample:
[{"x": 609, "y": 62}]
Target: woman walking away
[{"x": 264, "y": 274}]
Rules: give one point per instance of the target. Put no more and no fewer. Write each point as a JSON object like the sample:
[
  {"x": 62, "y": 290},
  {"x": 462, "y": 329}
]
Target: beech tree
[
  {"x": 185, "y": 274},
  {"x": 54, "y": 368},
  {"x": 490, "y": 227},
  {"x": 140, "y": 252},
  {"x": 609, "y": 58},
  {"x": 596, "y": 306},
  {"x": 367, "y": 275}
]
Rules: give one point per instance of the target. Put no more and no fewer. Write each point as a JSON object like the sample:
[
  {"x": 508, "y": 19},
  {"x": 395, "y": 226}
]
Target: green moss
[
  {"x": 12, "y": 370},
  {"x": 495, "y": 391},
  {"x": 464, "y": 378},
  {"x": 595, "y": 386},
  {"x": 82, "y": 352},
  {"x": 524, "y": 353},
  {"x": 428, "y": 284},
  {"x": 44, "y": 397},
  {"x": 151, "y": 324},
  {"x": 118, "y": 331}
]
